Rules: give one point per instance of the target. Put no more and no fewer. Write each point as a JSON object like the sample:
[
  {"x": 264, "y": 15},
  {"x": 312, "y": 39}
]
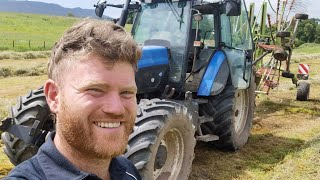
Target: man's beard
[{"x": 77, "y": 130}]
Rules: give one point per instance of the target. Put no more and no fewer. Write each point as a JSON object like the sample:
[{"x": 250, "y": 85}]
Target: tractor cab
[{"x": 182, "y": 36}]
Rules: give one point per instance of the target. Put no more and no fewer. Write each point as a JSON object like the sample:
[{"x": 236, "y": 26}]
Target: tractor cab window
[
  {"x": 236, "y": 36},
  {"x": 238, "y": 33},
  {"x": 165, "y": 21},
  {"x": 206, "y": 30}
]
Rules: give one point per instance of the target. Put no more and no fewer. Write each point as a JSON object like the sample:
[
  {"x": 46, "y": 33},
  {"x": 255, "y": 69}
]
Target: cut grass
[
  {"x": 284, "y": 143},
  {"x": 5, "y": 165},
  {"x": 23, "y": 67},
  {"x": 304, "y": 164},
  {"x": 24, "y": 55}
]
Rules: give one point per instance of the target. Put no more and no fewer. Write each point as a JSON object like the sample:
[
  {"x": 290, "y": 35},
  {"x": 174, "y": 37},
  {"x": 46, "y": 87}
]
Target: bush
[{"x": 298, "y": 42}]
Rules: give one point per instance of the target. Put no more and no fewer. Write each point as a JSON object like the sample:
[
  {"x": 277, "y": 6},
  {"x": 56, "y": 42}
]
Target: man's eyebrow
[
  {"x": 131, "y": 88},
  {"x": 83, "y": 86},
  {"x": 108, "y": 86}
]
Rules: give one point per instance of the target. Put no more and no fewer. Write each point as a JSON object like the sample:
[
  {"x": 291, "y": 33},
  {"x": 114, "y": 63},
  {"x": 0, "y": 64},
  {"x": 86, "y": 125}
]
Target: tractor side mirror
[
  {"x": 233, "y": 7},
  {"x": 198, "y": 17},
  {"x": 100, "y": 6}
]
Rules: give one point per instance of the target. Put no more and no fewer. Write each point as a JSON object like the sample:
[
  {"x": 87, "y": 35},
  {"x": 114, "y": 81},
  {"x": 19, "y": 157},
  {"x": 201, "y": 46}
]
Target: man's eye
[
  {"x": 128, "y": 94},
  {"x": 94, "y": 91}
]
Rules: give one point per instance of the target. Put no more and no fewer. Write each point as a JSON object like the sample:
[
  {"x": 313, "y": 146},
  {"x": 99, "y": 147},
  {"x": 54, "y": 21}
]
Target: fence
[{"x": 19, "y": 44}]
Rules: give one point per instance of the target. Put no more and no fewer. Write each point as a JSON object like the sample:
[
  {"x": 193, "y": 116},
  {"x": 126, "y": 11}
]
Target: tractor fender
[{"x": 215, "y": 76}]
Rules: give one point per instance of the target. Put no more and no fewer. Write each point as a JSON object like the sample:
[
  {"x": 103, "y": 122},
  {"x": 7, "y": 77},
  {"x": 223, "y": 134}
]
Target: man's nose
[{"x": 113, "y": 104}]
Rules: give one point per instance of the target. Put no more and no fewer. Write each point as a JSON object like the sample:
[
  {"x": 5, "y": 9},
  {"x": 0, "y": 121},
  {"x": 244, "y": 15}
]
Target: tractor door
[{"x": 236, "y": 41}]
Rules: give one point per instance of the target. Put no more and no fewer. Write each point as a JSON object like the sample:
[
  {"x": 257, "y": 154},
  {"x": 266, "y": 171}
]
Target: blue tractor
[{"x": 195, "y": 83}]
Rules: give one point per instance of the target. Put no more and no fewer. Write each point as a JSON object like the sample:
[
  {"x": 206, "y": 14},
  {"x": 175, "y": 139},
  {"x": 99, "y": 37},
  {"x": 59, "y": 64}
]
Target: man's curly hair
[{"x": 91, "y": 36}]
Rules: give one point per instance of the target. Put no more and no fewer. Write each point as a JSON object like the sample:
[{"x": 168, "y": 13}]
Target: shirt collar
[{"x": 56, "y": 166}]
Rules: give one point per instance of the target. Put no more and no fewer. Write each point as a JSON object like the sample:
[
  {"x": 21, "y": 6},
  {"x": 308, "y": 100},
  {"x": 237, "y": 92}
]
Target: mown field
[{"x": 285, "y": 140}]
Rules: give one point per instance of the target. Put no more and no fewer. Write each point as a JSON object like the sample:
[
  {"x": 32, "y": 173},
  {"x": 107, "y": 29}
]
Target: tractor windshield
[
  {"x": 166, "y": 24},
  {"x": 166, "y": 21}
]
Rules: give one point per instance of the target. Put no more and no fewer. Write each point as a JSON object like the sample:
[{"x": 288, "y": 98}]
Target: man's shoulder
[
  {"x": 122, "y": 160},
  {"x": 130, "y": 170},
  {"x": 125, "y": 163},
  {"x": 28, "y": 169}
]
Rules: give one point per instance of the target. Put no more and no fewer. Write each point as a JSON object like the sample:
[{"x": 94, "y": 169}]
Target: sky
[
  {"x": 86, "y": 4},
  {"x": 311, "y": 6}
]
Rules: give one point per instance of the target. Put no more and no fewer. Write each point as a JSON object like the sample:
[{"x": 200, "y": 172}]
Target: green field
[
  {"x": 21, "y": 28},
  {"x": 308, "y": 48},
  {"x": 30, "y": 32}
]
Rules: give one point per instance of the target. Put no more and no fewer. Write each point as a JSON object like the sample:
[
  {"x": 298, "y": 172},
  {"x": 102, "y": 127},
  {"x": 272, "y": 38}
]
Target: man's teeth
[{"x": 108, "y": 125}]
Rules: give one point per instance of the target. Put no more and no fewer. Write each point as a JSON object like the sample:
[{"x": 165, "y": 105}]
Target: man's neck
[{"x": 97, "y": 166}]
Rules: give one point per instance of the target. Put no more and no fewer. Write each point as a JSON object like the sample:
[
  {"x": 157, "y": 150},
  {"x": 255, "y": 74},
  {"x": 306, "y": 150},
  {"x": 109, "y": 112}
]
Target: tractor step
[{"x": 207, "y": 138}]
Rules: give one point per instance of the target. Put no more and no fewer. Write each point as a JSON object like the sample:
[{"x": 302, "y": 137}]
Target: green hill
[{"x": 40, "y": 31}]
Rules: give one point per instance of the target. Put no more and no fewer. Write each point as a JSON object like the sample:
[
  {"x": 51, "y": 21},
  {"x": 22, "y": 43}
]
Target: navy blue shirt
[{"x": 49, "y": 163}]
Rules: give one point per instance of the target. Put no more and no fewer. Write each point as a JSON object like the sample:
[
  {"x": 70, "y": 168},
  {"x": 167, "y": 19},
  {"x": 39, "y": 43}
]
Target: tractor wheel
[
  {"x": 301, "y": 16},
  {"x": 303, "y": 91},
  {"x": 162, "y": 144},
  {"x": 280, "y": 54},
  {"x": 283, "y": 34},
  {"x": 232, "y": 111},
  {"x": 31, "y": 107}
]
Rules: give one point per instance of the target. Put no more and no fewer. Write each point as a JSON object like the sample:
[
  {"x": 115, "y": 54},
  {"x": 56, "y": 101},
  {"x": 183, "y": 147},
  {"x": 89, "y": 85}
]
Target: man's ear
[{"x": 51, "y": 91}]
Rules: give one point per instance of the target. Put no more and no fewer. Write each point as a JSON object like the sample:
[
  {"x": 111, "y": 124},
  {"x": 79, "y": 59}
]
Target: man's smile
[{"x": 107, "y": 125}]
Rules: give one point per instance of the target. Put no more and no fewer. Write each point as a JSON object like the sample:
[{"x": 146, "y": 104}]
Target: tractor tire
[
  {"x": 232, "y": 111},
  {"x": 30, "y": 107},
  {"x": 303, "y": 91},
  {"x": 301, "y": 16},
  {"x": 162, "y": 144},
  {"x": 283, "y": 34}
]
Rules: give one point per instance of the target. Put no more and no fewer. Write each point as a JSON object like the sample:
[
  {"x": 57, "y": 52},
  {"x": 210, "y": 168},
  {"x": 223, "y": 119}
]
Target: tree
[
  {"x": 317, "y": 40},
  {"x": 130, "y": 18},
  {"x": 308, "y": 31}
]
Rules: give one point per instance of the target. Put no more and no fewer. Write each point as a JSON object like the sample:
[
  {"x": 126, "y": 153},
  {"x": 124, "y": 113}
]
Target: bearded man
[{"x": 91, "y": 91}]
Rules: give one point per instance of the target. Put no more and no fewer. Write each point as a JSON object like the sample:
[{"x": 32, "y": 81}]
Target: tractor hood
[
  {"x": 153, "y": 56},
  {"x": 153, "y": 69}
]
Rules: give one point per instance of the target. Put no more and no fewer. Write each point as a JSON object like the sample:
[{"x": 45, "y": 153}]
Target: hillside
[{"x": 43, "y": 8}]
